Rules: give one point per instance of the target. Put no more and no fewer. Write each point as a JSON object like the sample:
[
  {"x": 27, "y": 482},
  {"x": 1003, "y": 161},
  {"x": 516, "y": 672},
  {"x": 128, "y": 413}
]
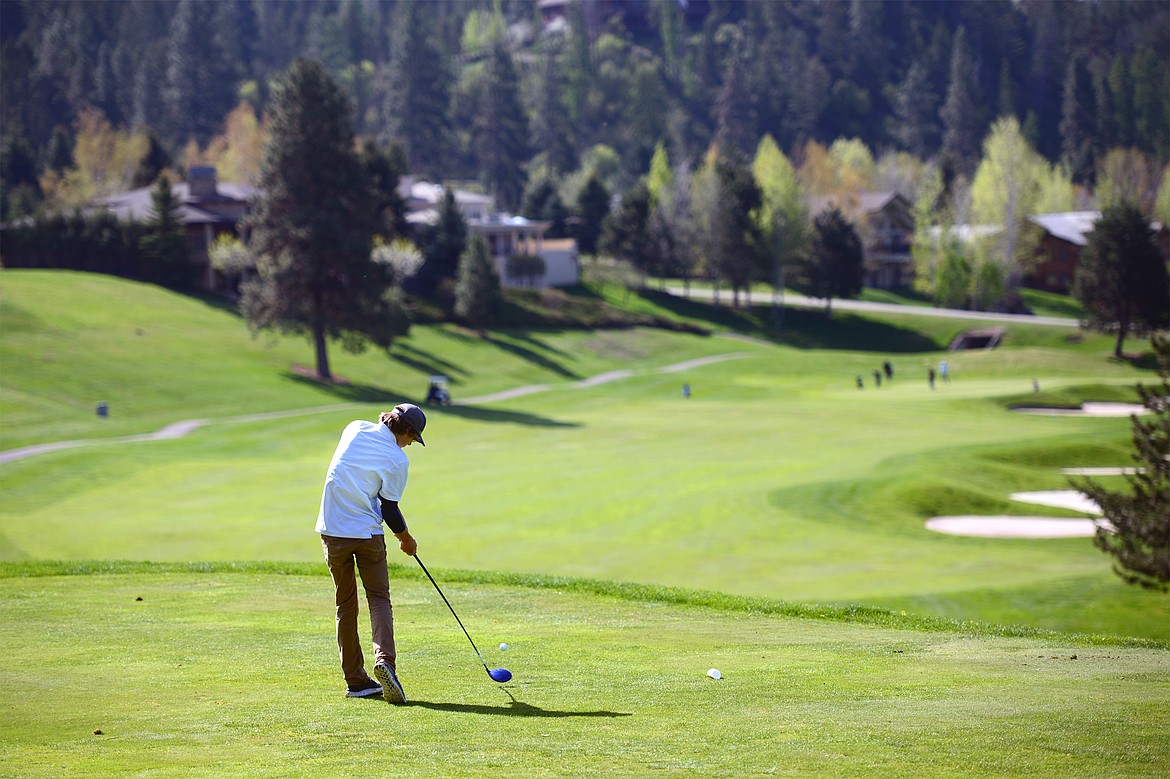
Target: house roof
[
  {"x": 867, "y": 202},
  {"x": 138, "y": 205},
  {"x": 1071, "y": 226}
]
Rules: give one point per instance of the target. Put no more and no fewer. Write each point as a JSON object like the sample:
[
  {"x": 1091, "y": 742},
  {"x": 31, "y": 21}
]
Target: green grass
[
  {"x": 233, "y": 673},
  {"x": 621, "y": 539},
  {"x": 777, "y": 478}
]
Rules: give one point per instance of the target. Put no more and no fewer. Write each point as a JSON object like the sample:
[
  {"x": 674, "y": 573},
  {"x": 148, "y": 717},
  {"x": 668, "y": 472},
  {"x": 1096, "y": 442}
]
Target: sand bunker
[
  {"x": 1028, "y": 527},
  {"x": 1014, "y": 527},
  {"x": 1087, "y": 410}
]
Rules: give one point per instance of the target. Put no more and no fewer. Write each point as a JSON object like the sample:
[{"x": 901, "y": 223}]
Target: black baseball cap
[{"x": 413, "y": 416}]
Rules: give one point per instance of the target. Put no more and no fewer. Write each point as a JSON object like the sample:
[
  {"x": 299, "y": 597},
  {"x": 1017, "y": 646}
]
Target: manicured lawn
[
  {"x": 234, "y": 674},
  {"x": 776, "y": 478}
]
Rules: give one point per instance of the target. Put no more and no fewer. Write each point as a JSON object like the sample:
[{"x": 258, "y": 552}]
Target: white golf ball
[
  {"x": 714, "y": 673},
  {"x": 503, "y": 647}
]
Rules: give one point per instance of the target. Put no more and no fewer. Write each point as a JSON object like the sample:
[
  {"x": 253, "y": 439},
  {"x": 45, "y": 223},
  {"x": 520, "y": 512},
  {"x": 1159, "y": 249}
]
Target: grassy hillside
[{"x": 776, "y": 478}]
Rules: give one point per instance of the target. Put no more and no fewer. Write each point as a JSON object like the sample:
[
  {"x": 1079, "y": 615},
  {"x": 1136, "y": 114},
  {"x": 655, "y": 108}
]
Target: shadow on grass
[
  {"x": 480, "y": 414},
  {"x": 514, "y": 709},
  {"x": 426, "y": 363},
  {"x": 800, "y": 328},
  {"x": 353, "y": 393},
  {"x": 530, "y": 355}
]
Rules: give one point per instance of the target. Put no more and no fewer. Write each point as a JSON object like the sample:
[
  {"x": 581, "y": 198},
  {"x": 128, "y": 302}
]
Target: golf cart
[{"x": 437, "y": 394}]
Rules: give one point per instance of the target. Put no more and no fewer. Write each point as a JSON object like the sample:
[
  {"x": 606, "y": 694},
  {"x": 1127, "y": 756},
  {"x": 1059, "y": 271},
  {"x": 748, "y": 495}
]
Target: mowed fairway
[
  {"x": 233, "y": 674},
  {"x": 777, "y": 477},
  {"x": 788, "y": 505}
]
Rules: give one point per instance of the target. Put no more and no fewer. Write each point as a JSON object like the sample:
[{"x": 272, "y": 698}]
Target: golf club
[{"x": 497, "y": 674}]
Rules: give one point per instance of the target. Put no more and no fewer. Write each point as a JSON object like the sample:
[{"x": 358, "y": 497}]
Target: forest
[{"x": 534, "y": 102}]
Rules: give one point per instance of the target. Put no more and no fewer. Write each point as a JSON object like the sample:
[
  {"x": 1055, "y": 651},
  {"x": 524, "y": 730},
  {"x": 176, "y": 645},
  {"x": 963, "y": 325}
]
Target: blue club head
[{"x": 500, "y": 674}]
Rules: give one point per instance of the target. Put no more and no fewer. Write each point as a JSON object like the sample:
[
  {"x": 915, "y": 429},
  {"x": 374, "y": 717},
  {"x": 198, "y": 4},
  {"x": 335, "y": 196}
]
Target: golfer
[{"x": 365, "y": 482}]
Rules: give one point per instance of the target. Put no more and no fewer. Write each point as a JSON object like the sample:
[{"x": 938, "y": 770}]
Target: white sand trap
[
  {"x": 1061, "y": 499},
  {"x": 1101, "y": 471},
  {"x": 1087, "y": 410},
  {"x": 1014, "y": 527}
]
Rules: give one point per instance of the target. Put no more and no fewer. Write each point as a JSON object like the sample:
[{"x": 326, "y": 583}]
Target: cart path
[{"x": 180, "y": 429}]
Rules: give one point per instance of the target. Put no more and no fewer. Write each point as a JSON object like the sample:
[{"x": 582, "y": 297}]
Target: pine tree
[
  {"x": 1138, "y": 531},
  {"x": 477, "y": 293},
  {"x": 1122, "y": 278},
  {"x": 417, "y": 104},
  {"x": 312, "y": 229},
  {"x": 914, "y": 124},
  {"x": 442, "y": 244},
  {"x": 961, "y": 114},
  {"x": 592, "y": 207},
  {"x": 626, "y": 234},
  {"x": 834, "y": 266},
  {"x": 500, "y": 134},
  {"x": 1079, "y": 142},
  {"x": 164, "y": 244}
]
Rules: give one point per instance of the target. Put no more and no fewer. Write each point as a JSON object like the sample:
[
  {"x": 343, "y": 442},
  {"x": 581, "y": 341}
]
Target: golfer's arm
[{"x": 392, "y": 516}]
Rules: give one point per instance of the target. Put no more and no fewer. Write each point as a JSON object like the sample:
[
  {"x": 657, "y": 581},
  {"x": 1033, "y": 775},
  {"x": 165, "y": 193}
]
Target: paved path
[
  {"x": 801, "y": 301},
  {"x": 180, "y": 429}
]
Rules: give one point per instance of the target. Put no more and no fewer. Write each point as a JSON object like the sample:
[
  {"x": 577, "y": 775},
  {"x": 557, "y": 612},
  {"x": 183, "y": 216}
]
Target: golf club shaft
[{"x": 453, "y": 614}]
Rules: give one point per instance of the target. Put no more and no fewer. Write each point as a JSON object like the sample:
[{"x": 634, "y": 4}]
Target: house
[
  {"x": 885, "y": 223},
  {"x": 505, "y": 234},
  {"x": 1064, "y": 236},
  {"x": 208, "y": 208}
]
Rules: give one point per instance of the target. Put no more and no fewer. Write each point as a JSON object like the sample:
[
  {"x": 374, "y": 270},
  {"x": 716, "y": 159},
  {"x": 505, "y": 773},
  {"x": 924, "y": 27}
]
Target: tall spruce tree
[
  {"x": 961, "y": 113},
  {"x": 312, "y": 229},
  {"x": 1122, "y": 278},
  {"x": 1138, "y": 535},
  {"x": 500, "y": 134},
  {"x": 418, "y": 100}
]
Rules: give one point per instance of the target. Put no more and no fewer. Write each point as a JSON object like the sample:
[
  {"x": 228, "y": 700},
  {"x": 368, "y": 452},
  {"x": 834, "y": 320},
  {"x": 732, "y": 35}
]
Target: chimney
[{"x": 201, "y": 182}]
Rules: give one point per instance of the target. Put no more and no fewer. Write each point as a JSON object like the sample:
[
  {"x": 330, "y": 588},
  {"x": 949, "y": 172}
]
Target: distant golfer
[{"x": 366, "y": 479}]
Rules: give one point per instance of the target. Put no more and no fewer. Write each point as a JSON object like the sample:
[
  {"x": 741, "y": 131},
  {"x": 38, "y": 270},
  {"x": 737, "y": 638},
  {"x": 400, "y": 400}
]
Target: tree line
[{"x": 487, "y": 90}]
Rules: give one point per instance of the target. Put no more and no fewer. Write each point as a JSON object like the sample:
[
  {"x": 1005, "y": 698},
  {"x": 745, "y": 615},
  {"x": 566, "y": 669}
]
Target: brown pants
[{"x": 370, "y": 556}]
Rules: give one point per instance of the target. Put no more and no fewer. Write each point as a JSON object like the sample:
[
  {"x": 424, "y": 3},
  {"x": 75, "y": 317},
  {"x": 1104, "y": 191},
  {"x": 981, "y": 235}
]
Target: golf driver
[{"x": 497, "y": 674}]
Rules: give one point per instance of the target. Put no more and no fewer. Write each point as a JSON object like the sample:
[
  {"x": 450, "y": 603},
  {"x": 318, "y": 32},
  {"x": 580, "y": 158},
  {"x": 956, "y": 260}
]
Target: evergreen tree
[
  {"x": 199, "y": 88},
  {"x": 914, "y": 125},
  {"x": 384, "y": 168},
  {"x": 1077, "y": 122},
  {"x": 442, "y": 244},
  {"x": 738, "y": 251},
  {"x": 1122, "y": 278},
  {"x": 552, "y": 133},
  {"x": 592, "y": 209},
  {"x": 418, "y": 100},
  {"x": 961, "y": 113},
  {"x": 312, "y": 229},
  {"x": 478, "y": 297},
  {"x": 834, "y": 266},
  {"x": 735, "y": 130},
  {"x": 1138, "y": 531},
  {"x": 164, "y": 243},
  {"x": 626, "y": 234},
  {"x": 500, "y": 134}
]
